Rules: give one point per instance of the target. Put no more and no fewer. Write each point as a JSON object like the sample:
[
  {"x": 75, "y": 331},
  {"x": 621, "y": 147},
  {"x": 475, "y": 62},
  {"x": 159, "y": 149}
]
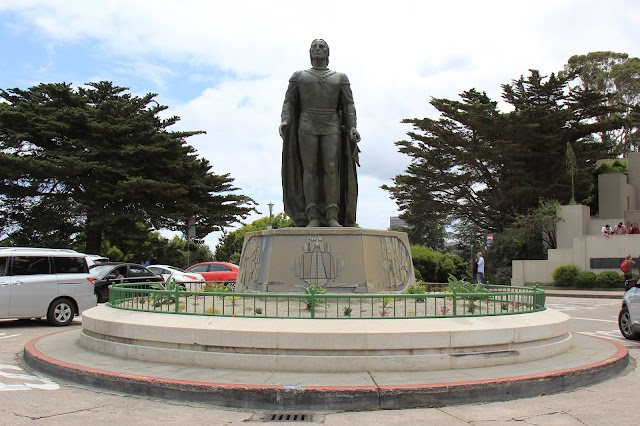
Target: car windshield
[{"x": 101, "y": 271}]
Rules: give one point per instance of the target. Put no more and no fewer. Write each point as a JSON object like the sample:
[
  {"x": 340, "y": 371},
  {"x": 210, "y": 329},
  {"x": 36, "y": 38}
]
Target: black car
[{"x": 108, "y": 273}]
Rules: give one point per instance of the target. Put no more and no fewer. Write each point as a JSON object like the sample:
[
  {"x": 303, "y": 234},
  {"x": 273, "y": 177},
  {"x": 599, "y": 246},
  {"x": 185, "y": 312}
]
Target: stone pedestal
[{"x": 341, "y": 260}]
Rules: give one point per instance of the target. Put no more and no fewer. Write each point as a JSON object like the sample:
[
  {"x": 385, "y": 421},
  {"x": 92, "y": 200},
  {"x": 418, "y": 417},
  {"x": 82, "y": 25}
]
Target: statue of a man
[{"x": 320, "y": 152}]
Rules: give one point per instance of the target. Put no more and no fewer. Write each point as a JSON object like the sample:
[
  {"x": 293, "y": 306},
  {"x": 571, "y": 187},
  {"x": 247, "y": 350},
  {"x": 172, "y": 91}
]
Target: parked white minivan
[{"x": 39, "y": 282}]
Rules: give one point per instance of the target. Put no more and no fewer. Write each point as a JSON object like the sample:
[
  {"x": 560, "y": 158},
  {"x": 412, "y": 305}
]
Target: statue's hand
[
  {"x": 354, "y": 135},
  {"x": 283, "y": 128}
]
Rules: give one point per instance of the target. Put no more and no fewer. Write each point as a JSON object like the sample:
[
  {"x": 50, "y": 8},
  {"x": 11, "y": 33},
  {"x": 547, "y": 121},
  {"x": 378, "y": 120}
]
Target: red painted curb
[{"x": 30, "y": 348}]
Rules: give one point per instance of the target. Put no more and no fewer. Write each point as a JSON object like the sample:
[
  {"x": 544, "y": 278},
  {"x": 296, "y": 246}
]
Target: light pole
[{"x": 270, "y": 216}]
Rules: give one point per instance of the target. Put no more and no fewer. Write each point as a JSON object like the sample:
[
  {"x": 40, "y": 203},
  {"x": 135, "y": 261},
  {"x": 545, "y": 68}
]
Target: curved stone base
[
  {"x": 341, "y": 260},
  {"x": 326, "y": 345},
  {"x": 589, "y": 361}
]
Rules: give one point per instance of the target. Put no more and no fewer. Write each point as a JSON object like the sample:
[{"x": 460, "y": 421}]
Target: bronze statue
[{"x": 319, "y": 151}]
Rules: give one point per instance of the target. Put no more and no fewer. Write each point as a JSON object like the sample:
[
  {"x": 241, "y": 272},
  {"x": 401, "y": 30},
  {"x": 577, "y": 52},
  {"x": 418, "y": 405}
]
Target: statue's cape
[{"x": 293, "y": 194}]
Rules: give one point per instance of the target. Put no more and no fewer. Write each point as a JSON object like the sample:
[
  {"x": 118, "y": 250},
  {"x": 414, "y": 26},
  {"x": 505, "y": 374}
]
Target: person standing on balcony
[{"x": 620, "y": 229}]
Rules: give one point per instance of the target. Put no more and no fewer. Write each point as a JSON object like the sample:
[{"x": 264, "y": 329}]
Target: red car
[{"x": 216, "y": 271}]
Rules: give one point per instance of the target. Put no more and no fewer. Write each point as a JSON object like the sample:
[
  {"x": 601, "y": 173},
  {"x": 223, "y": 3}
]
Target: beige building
[{"x": 579, "y": 237}]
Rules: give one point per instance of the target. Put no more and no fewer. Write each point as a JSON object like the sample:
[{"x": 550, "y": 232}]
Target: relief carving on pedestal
[
  {"x": 395, "y": 265},
  {"x": 317, "y": 265},
  {"x": 250, "y": 261}
]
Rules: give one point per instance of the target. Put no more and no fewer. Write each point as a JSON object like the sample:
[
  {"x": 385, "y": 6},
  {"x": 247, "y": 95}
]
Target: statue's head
[{"x": 319, "y": 43}]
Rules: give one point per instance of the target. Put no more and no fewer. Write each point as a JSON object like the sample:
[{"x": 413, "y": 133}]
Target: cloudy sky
[{"x": 223, "y": 66}]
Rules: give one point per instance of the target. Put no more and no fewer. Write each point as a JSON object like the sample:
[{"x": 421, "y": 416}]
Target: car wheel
[
  {"x": 624, "y": 322},
  {"x": 61, "y": 312}
]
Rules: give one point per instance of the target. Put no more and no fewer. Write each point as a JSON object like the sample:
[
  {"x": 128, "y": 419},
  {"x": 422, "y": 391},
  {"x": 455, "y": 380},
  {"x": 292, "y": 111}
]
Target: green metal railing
[{"x": 499, "y": 300}]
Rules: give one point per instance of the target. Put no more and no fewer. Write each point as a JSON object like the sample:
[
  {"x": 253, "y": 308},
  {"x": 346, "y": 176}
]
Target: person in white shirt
[{"x": 480, "y": 263}]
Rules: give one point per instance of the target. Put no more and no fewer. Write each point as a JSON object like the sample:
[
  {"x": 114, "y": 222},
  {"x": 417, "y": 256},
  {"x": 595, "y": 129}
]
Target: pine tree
[
  {"x": 618, "y": 77},
  {"x": 112, "y": 157},
  {"x": 480, "y": 166}
]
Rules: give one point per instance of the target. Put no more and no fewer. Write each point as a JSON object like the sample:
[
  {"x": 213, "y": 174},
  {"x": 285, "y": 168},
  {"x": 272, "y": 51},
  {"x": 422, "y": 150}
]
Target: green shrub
[
  {"x": 417, "y": 289},
  {"x": 502, "y": 275},
  {"x": 216, "y": 287},
  {"x": 610, "y": 279},
  {"x": 586, "y": 279},
  {"x": 434, "y": 266},
  {"x": 565, "y": 275}
]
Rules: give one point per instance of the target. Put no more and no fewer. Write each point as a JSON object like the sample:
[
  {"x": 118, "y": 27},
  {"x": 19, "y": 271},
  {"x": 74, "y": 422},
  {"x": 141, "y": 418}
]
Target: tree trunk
[{"x": 93, "y": 229}]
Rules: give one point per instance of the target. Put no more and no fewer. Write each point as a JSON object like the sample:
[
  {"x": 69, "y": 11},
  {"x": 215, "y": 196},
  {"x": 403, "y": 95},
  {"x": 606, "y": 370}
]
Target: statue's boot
[
  {"x": 332, "y": 215},
  {"x": 313, "y": 214}
]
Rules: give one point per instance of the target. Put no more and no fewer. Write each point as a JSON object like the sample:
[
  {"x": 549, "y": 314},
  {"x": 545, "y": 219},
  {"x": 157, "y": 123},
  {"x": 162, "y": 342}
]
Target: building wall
[
  {"x": 585, "y": 248},
  {"x": 396, "y": 221},
  {"x": 529, "y": 271},
  {"x": 615, "y": 196},
  {"x": 574, "y": 223},
  {"x": 579, "y": 236},
  {"x": 633, "y": 177}
]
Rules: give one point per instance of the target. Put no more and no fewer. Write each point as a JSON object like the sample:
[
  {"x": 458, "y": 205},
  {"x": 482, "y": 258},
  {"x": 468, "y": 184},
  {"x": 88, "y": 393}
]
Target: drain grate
[{"x": 287, "y": 417}]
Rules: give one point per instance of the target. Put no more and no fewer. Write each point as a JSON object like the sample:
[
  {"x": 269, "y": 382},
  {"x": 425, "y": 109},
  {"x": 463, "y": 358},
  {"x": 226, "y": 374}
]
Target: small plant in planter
[
  {"x": 233, "y": 300},
  {"x": 444, "y": 310},
  {"x": 346, "y": 311},
  {"x": 213, "y": 311},
  {"x": 258, "y": 311},
  {"x": 386, "y": 301},
  {"x": 169, "y": 285},
  {"x": 475, "y": 292},
  {"x": 504, "y": 306},
  {"x": 312, "y": 290},
  {"x": 384, "y": 313},
  {"x": 181, "y": 307}
]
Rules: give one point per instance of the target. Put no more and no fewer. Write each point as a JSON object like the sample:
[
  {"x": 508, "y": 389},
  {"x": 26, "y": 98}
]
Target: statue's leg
[
  {"x": 331, "y": 213},
  {"x": 313, "y": 214},
  {"x": 310, "y": 181},
  {"x": 330, "y": 149}
]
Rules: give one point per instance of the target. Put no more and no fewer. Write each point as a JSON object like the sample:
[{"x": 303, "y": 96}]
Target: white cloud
[{"x": 397, "y": 55}]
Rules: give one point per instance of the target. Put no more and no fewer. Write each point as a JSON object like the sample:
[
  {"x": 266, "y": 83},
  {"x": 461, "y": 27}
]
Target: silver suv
[
  {"x": 629, "y": 317},
  {"x": 51, "y": 283}
]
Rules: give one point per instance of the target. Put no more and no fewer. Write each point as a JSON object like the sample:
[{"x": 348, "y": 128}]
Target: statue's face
[{"x": 319, "y": 49}]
